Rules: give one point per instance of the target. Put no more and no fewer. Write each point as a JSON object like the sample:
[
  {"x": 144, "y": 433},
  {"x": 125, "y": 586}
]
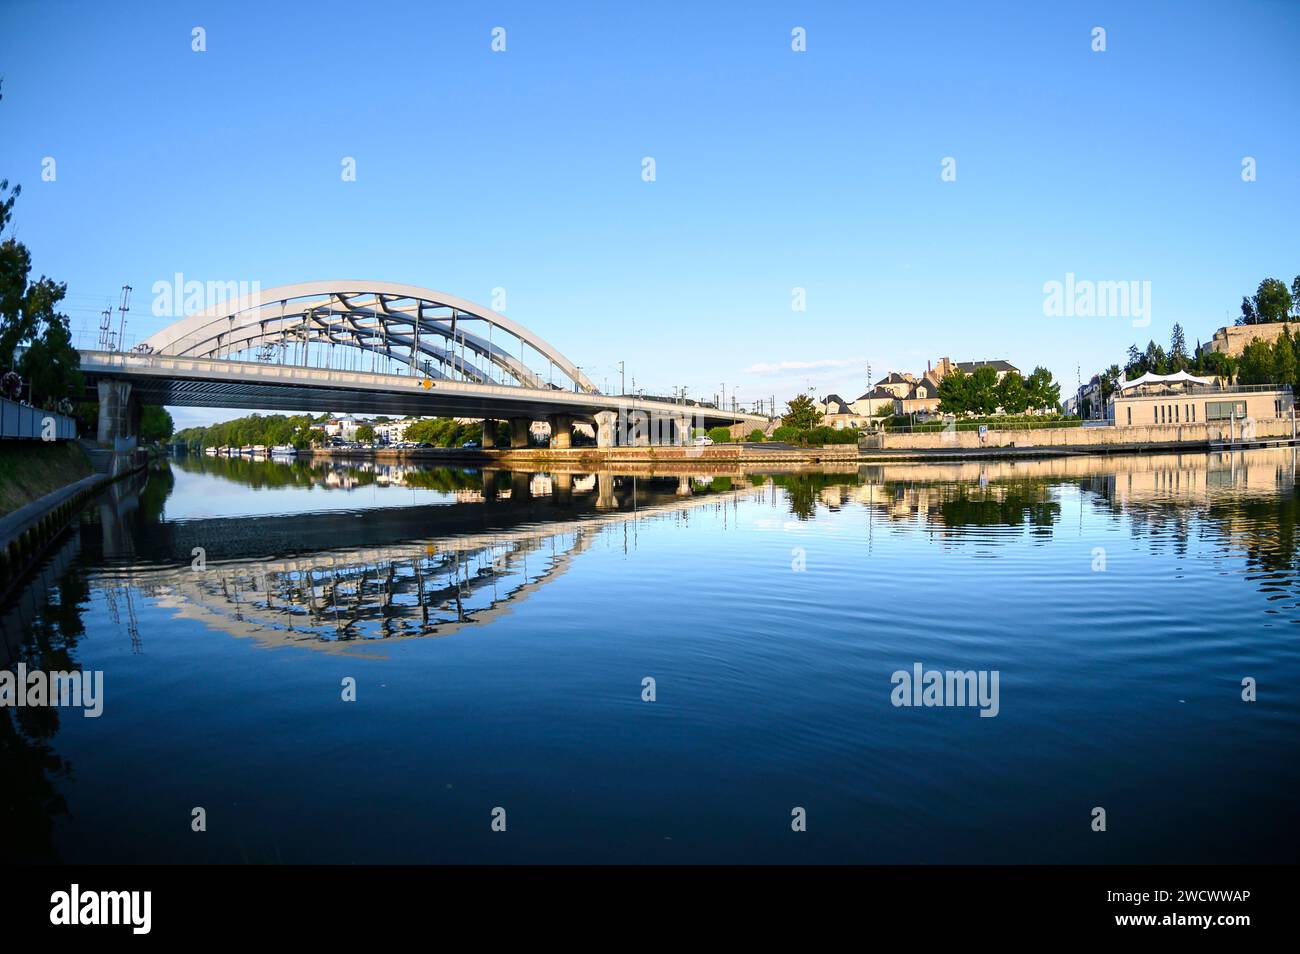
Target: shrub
[
  {"x": 720, "y": 435},
  {"x": 756, "y": 435}
]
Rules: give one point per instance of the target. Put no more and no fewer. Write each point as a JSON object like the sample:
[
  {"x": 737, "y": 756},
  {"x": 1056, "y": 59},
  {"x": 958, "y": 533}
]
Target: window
[
  {"x": 1222, "y": 410},
  {"x": 1193, "y": 412},
  {"x": 1130, "y": 415}
]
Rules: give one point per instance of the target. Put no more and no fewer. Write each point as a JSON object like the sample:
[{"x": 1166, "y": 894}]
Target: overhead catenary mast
[{"x": 122, "y": 309}]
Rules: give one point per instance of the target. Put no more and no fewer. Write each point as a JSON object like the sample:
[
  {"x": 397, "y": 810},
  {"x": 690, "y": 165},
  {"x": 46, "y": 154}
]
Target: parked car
[
  {"x": 470, "y": 444},
  {"x": 703, "y": 441}
]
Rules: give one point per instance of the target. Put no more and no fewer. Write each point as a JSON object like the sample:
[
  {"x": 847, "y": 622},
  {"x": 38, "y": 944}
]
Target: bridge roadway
[{"x": 217, "y": 382}]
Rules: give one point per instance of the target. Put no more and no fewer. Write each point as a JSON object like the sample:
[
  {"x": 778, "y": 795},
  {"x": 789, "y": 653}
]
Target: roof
[
  {"x": 997, "y": 365},
  {"x": 931, "y": 391},
  {"x": 1178, "y": 377},
  {"x": 834, "y": 404},
  {"x": 877, "y": 394},
  {"x": 893, "y": 378}
]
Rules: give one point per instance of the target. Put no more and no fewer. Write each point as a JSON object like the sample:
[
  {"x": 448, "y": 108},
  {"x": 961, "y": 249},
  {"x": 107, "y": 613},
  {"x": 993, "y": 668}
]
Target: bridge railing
[{"x": 26, "y": 423}]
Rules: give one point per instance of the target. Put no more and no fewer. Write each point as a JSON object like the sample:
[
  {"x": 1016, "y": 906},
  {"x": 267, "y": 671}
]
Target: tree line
[{"x": 981, "y": 393}]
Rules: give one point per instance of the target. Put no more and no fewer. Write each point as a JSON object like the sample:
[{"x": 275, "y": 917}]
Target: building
[
  {"x": 896, "y": 384},
  {"x": 1087, "y": 403},
  {"x": 1233, "y": 339},
  {"x": 874, "y": 403},
  {"x": 1003, "y": 368},
  {"x": 1183, "y": 398},
  {"x": 839, "y": 415},
  {"x": 344, "y": 428},
  {"x": 393, "y": 432},
  {"x": 922, "y": 399}
]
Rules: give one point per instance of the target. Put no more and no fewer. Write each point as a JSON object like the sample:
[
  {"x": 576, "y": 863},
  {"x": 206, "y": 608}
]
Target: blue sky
[{"x": 774, "y": 169}]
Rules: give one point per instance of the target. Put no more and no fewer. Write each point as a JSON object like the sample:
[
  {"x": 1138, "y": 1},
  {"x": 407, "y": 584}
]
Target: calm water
[{"x": 499, "y": 629}]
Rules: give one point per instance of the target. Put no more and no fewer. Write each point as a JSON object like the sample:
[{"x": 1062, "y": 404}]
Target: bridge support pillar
[
  {"x": 605, "y": 491},
  {"x": 519, "y": 427},
  {"x": 520, "y": 486},
  {"x": 562, "y": 487},
  {"x": 682, "y": 430},
  {"x": 683, "y": 486},
  {"x": 119, "y": 412},
  {"x": 489, "y": 432},
  {"x": 561, "y": 431},
  {"x": 605, "y": 422}
]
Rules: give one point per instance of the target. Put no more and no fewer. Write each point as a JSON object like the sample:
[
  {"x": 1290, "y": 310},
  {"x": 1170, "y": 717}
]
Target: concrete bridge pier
[
  {"x": 605, "y": 491},
  {"x": 490, "y": 484},
  {"x": 682, "y": 429},
  {"x": 520, "y": 486},
  {"x": 683, "y": 486},
  {"x": 605, "y": 421},
  {"x": 489, "y": 432},
  {"x": 562, "y": 487},
  {"x": 119, "y": 412},
  {"x": 561, "y": 431},
  {"x": 519, "y": 428}
]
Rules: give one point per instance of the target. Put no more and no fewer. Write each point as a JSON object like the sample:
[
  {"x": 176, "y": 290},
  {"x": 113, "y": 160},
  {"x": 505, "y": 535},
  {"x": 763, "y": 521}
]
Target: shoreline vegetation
[{"x": 31, "y": 469}]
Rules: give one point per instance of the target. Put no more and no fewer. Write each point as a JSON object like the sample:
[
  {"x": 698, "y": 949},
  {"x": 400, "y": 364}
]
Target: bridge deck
[{"x": 215, "y": 382}]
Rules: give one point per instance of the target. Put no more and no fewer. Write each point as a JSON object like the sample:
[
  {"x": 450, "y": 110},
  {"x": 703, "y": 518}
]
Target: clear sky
[{"x": 775, "y": 169}]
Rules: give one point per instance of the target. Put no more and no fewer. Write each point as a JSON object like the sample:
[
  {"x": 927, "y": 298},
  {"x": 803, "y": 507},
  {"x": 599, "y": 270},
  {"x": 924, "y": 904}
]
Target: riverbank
[
  {"x": 31, "y": 469},
  {"x": 47, "y": 483},
  {"x": 966, "y": 445}
]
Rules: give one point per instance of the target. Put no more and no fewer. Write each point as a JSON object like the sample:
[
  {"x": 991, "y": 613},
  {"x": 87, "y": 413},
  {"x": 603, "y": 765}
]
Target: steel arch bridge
[
  {"x": 305, "y": 347},
  {"x": 426, "y": 332}
]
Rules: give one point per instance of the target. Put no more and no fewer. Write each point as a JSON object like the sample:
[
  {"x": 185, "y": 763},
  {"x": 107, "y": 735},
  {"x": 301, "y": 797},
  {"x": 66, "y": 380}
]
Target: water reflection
[{"x": 360, "y": 582}]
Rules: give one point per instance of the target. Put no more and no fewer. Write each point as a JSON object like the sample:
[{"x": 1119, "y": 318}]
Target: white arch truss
[{"x": 428, "y": 332}]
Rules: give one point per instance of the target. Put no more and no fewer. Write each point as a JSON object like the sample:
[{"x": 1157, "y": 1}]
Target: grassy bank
[{"x": 31, "y": 469}]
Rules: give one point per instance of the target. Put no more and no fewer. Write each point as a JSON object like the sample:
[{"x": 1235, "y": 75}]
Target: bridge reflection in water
[{"x": 337, "y": 581}]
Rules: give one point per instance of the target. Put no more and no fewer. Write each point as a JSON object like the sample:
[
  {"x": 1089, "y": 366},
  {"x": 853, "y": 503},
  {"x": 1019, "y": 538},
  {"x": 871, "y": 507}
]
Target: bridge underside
[{"x": 212, "y": 382}]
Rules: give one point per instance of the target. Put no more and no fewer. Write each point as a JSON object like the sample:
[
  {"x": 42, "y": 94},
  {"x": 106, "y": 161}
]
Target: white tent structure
[{"x": 1178, "y": 377}]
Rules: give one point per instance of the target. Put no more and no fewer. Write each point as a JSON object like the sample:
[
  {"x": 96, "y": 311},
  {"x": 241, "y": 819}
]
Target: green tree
[
  {"x": 1295, "y": 296},
  {"x": 1133, "y": 366},
  {"x": 756, "y": 435},
  {"x": 1272, "y": 302},
  {"x": 1044, "y": 394},
  {"x": 1012, "y": 394},
  {"x": 1154, "y": 359},
  {"x": 801, "y": 413},
  {"x": 366, "y": 433},
  {"x": 1178, "y": 357},
  {"x": 1219, "y": 365},
  {"x": 1256, "y": 363},
  {"x": 156, "y": 424},
  {"x": 1109, "y": 382},
  {"x": 30, "y": 319},
  {"x": 719, "y": 435},
  {"x": 1284, "y": 359},
  {"x": 983, "y": 390},
  {"x": 954, "y": 393}
]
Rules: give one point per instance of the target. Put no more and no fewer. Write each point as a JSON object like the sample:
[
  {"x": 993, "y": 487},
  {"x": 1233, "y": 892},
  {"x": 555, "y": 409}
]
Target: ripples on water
[{"x": 771, "y": 611}]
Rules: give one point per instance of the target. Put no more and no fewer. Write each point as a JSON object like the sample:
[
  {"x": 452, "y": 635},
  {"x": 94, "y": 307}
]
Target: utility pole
[
  {"x": 105, "y": 329},
  {"x": 122, "y": 309},
  {"x": 622, "y": 386}
]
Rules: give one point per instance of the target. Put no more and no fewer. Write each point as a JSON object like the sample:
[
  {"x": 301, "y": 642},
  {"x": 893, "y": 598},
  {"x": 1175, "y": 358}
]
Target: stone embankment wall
[{"x": 1083, "y": 438}]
